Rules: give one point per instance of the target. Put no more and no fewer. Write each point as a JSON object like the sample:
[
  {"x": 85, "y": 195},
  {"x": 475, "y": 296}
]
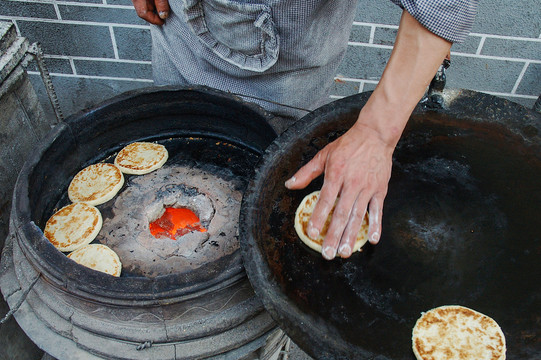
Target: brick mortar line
[
  {"x": 73, "y": 3},
  {"x": 480, "y": 46},
  {"x": 506, "y": 37},
  {"x": 73, "y": 68},
  {"x": 74, "y": 22},
  {"x": 520, "y": 76},
  {"x": 87, "y": 58},
  {"x": 482, "y": 35},
  {"x": 16, "y": 27},
  {"x": 96, "y": 5},
  {"x": 113, "y": 41},
  {"x": 57, "y": 11},
  {"x": 93, "y": 77},
  {"x": 362, "y": 44},
  {"x": 348, "y": 79},
  {"x": 372, "y": 34},
  {"x": 478, "y": 56},
  {"x": 493, "y": 57},
  {"x": 385, "y": 26},
  {"x": 532, "y": 97}
]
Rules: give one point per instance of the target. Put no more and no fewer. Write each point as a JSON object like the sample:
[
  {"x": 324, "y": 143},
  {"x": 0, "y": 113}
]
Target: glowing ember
[{"x": 175, "y": 222}]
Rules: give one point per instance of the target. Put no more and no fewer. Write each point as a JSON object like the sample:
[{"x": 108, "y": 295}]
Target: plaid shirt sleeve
[{"x": 449, "y": 19}]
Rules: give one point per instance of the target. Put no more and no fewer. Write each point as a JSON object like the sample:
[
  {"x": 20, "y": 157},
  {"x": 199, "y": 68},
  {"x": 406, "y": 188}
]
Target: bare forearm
[
  {"x": 357, "y": 165},
  {"x": 415, "y": 59}
]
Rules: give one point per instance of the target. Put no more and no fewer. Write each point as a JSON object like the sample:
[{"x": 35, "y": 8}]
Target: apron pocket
[{"x": 242, "y": 34}]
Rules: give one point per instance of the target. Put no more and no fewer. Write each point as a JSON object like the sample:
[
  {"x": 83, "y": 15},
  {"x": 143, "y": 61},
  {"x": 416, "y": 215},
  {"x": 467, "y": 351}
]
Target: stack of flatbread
[
  {"x": 302, "y": 217},
  {"x": 74, "y": 227},
  {"x": 457, "y": 333}
]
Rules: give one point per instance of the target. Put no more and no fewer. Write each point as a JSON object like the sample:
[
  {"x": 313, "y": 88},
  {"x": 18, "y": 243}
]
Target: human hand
[
  {"x": 357, "y": 169},
  {"x": 153, "y": 11},
  {"x": 357, "y": 165}
]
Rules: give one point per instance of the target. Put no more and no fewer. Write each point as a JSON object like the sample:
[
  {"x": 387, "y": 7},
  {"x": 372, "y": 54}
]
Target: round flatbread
[
  {"x": 457, "y": 333},
  {"x": 98, "y": 257},
  {"x": 303, "y": 214},
  {"x": 96, "y": 184},
  {"x": 140, "y": 158},
  {"x": 73, "y": 226}
]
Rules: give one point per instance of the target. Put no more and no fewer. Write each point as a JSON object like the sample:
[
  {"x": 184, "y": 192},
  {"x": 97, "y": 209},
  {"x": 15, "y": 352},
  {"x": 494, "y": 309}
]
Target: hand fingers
[
  {"x": 356, "y": 218},
  {"x": 332, "y": 185},
  {"x": 145, "y": 9},
  {"x": 344, "y": 214},
  {"x": 340, "y": 216},
  {"x": 357, "y": 166},
  {"x": 162, "y": 8},
  {"x": 375, "y": 214},
  {"x": 308, "y": 172},
  {"x": 345, "y": 241}
]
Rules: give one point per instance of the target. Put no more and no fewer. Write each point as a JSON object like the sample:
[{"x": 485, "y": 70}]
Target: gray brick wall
[
  {"x": 501, "y": 56},
  {"x": 96, "y": 49}
]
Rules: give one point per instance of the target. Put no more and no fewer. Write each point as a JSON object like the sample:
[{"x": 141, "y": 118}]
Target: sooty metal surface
[{"x": 461, "y": 226}]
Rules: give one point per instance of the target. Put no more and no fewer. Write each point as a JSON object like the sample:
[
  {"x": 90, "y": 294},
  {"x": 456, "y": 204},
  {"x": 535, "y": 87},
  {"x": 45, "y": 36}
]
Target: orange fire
[{"x": 175, "y": 222}]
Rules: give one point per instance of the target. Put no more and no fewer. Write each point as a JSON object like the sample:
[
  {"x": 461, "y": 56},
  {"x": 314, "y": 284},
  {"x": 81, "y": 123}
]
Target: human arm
[
  {"x": 357, "y": 166},
  {"x": 153, "y": 11}
]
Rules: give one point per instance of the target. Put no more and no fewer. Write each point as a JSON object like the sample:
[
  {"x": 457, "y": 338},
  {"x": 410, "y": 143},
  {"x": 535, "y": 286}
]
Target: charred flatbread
[
  {"x": 303, "y": 214},
  {"x": 457, "y": 333},
  {"x": 140, "y": 158},
  {"x": 98, "y": 257},
  {"x": 96, "y": 184},
  {"x": 73, "y": 226}
]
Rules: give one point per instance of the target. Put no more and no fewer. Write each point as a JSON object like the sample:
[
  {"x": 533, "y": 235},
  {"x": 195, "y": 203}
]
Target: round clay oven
[{"x": 175, "y": 299}]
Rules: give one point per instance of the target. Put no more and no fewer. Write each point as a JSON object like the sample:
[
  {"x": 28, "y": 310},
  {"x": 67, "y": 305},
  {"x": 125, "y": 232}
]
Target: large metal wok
[{"x": 461, "y": 226}]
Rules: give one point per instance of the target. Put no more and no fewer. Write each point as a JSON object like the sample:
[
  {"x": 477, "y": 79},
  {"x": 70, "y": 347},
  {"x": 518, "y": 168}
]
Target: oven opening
[{"x": 175, "y": 223}]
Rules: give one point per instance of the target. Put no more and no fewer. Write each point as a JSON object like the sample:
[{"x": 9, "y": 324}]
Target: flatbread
[
  {"x": 98, "y": 257},
  {"x": 457, "y": 333},
  {"x": 96, "y": 184},
  {"x": 303, "y": 214},
  {"x": 73, "y": 226},
  {"x": 140, "y": 158}
]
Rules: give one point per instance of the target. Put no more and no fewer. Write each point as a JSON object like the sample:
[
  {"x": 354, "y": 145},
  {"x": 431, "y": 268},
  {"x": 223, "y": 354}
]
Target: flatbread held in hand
[{"x": 303, "y": 214}]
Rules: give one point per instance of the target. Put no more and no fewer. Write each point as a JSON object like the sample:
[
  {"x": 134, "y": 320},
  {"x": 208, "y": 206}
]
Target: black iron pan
[{"x": 461, "y": 226}]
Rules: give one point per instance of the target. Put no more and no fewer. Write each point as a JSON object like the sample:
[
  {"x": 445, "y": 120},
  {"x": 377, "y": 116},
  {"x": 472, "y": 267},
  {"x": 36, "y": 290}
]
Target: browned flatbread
[
  {"x": 96, "y": 184},
  {"x": 303, "y": 214},
  {"x": 73, "y": 226},
  {"x": 98, "y": 257},
  {"x": 140, "y": 158},
  {"x": 457, "y": 333}
]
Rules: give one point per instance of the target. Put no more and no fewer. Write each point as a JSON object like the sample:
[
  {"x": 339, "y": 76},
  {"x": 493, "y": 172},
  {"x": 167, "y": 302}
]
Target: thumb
[
  {"x": 308, "y": 172},
  {"x": 162, "y": 8}
]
